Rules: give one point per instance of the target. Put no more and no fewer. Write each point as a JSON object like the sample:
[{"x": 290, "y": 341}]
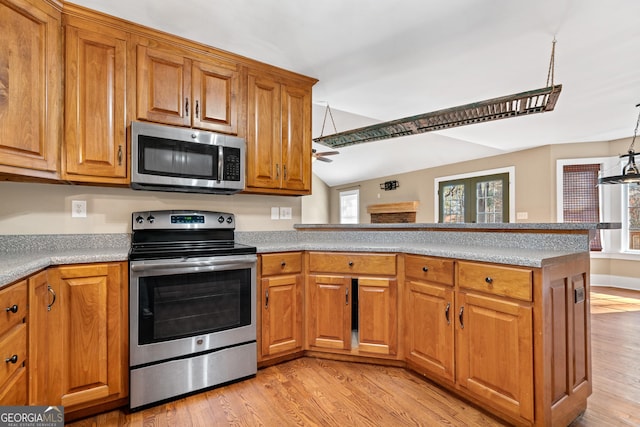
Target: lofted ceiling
[{"x": 385, "y": 60}]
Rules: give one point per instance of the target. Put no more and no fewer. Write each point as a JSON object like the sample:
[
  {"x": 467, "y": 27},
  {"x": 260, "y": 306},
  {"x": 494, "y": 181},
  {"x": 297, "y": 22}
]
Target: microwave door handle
[{"x": 220, "y": 162}]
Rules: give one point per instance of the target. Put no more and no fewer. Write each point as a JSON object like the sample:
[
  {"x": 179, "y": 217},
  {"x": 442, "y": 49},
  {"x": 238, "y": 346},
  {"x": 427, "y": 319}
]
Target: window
[
  {"x": 479, "y": 199},
  {"x": 581, "y": 197},
  {"x": 349, "y": 206},
  {"x": 633, "y": 216}
]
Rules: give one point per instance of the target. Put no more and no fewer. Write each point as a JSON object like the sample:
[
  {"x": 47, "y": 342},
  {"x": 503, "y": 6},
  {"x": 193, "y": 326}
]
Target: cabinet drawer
[
  {"x": 342, "y": 262},
  {"x": 281, "y": 263},
  {"x": 13, "y": 297},
  {"x": 12, "y": 344},
  {"x": 14, "y": 392},
  {"x": 438, "y": 270},
  {"x": 498, "y": 280}
]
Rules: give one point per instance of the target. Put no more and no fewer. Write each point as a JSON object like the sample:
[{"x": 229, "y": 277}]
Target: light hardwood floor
[{"x": 310, "y": 392}]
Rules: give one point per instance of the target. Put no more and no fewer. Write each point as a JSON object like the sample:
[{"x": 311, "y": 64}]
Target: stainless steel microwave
[{"x": 167, "y": 158}]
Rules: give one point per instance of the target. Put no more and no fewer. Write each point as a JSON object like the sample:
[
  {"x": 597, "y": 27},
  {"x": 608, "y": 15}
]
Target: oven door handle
[{"x": 229, "y": 263}]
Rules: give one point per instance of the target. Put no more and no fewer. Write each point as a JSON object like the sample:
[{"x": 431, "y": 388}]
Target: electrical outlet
[
  {"x": 78, "y": 208},
  {"x": 275, "y": 212},
  {"x": 522, "y": 215},
  {"x": 285, "y": 213}
]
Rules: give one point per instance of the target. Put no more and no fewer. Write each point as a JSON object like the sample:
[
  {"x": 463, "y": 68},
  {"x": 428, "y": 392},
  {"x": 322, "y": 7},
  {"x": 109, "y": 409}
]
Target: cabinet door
[
  {"x": 264, "y": 154},
  {"x": 377, "y": 315},
  {"x": 430, "y": 327},
  {"x": 30, "y": 88},
  {"x": 45, "y": 341},
  {"x": 95, "y": 110},
  {"x": 163, "y": 87},
  {"x": 281, "y": 315},
  {"x": 495, "y": 352},
  {"x": 215, "y": 96},
  {"x": 93, "y": 335},
  {"x": 330, "y": 312},
  {"x": 296, "y": 138}
]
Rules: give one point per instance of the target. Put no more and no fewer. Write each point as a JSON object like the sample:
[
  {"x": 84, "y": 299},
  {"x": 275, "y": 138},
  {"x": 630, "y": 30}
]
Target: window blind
[{"x": 581, "y": 198}]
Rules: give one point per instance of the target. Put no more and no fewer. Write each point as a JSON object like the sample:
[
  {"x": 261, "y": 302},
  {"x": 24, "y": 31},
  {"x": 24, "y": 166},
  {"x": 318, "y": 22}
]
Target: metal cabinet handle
[
  {"x": 119, "y": 155},
  {"x": 13, "y": 359},
  {"x": 446, "y": 313},
  {"x": 12, "y": 309},
  {"x": 284, "y": 171},
  {"x": 489, "y": 280},
  {"x": 277, "y": 171},
  {"x": 266, "y": 298},
  {"x": 197, "y": 109},
  {"x": 460, "y": 317},
  {"x": 350, "y": 263},
  {"x": 283, "y": 264},
  {"x": 186, "y": 106},
  {"x": 346, "y": 296},
  {"x": 52, "y": 292},
  {"x": 425, "y": 268}
]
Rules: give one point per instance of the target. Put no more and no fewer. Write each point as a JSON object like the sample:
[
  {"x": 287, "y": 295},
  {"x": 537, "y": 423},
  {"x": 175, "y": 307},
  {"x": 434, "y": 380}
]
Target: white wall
[{"x": 33, "y": 208}]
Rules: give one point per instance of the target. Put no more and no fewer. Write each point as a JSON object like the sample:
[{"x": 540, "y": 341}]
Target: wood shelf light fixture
[
  {"x": 524, "y": 103},
  {"x": 519, "y": 104}
]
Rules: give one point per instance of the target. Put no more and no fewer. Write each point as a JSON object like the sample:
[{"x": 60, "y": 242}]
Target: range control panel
[{"x": 181, "y": 219}]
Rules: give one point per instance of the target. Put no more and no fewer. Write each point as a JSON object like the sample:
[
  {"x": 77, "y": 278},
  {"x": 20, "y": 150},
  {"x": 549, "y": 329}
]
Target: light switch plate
[
  {"x": 275, "y": 212},
  {"x": 285, "y": 213}
]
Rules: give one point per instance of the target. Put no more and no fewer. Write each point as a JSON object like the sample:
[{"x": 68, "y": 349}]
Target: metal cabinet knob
[{"x": 12, "y": 309}]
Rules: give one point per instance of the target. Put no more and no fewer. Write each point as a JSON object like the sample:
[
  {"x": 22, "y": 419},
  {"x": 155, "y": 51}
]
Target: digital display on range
[{"x": 187, "y": 219}]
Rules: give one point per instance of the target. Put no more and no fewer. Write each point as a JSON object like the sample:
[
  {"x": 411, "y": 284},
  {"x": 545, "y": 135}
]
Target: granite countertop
[{"x": 21, "y": 256}]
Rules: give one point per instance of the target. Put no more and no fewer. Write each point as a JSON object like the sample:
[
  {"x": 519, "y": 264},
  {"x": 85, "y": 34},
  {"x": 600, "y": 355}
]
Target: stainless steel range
[{"x": 192, "y": 305}]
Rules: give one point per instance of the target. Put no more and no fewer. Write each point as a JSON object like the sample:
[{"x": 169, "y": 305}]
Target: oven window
[
  {"x": 183, "y": 305},
  {"x": 165, "y": 157}
]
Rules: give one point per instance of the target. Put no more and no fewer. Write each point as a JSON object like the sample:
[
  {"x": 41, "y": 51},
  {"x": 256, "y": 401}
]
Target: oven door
[{"x": 184, "y": 306}]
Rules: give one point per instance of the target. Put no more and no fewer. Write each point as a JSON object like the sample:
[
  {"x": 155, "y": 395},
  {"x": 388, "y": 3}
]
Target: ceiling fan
[{"x": 321, "y": 156}]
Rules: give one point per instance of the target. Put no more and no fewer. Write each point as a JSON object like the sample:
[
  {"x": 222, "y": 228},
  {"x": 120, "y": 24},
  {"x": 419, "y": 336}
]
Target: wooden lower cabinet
[
  {"x": 429, "y": 334},
  {"x": 329, "y": 312},
  {"x": 343, "y": 319},
  {"x": 280, "y": 304},
  {"x": 429, "y": 313},
  {"x": 514, "y": 340},
  {"x": 13, "y": 344},
  {"x": 78, "y": 336},
  {"x": 495, "y": 352},
  {"x": 377, "y": 315}
]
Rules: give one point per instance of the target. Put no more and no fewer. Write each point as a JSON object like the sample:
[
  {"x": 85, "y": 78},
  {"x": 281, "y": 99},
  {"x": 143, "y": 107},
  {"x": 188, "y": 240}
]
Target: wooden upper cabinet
[
  {"x": 176, "y": 89},
  {"x": 264, "y": 147},
  {"x": 30, "y": 88},
  {"x": 95, "y": 148},
  {"x": 296, "y": 138},
  {"x": 215, "y": 96},
  {"x": 278, "y": 136}
]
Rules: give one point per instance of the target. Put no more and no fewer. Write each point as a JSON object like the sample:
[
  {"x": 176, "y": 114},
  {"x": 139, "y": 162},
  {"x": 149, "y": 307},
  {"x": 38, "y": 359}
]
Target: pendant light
[{"x": 630, "y": 171}]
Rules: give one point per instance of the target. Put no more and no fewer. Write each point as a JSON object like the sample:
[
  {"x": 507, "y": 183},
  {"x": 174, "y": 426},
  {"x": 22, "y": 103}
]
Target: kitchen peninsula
[{"x": 498, "y": 313}]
